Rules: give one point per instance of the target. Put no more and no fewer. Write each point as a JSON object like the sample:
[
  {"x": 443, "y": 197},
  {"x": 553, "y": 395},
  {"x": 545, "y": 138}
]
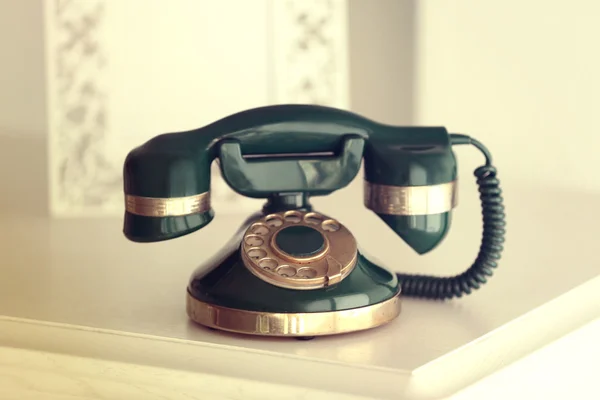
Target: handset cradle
[
  {"x": 261, "y": 178},
  {"x": 291, "y": 270}
]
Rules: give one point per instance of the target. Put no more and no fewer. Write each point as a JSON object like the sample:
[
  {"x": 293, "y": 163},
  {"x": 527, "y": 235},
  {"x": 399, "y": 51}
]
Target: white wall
[
  {"x": 22, "y": 72},
  {"x": 382, "y": 46},
  {"x": 523, "y": 76},
  {"x": 22, "y": 108}
]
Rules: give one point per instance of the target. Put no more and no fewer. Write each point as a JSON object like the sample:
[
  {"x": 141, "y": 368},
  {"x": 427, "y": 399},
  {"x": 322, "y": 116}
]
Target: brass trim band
[
  {"x": 167, "y": 207},
  {"x": 410, "y": 200},
  {"x": 293, "y": 324}
]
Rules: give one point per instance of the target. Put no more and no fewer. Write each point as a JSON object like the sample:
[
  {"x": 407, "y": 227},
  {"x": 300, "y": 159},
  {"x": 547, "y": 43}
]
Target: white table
[{"x": 85, "y": 313}]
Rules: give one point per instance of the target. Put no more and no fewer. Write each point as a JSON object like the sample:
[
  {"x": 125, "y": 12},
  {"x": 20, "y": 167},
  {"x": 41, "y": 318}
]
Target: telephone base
[
  {"x": 345, "y": 293},
  {"x": 303, "y": 326}
]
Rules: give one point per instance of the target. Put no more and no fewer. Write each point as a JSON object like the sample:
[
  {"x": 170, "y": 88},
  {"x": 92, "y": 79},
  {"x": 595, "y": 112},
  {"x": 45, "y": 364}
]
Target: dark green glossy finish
[
  {"x": 409, "y": 156},
  {"x": 232, "y": 285},
  {"x": 225, "y": 281},
  {"x": 300, "y": 241},
  {"x": 421, "y": 232},
  {"x": 314, "y": 176},
  {"x": 151, "y": 229},
  {"x": 287, "y": 201},
  {"x": 177, "y": 164}
]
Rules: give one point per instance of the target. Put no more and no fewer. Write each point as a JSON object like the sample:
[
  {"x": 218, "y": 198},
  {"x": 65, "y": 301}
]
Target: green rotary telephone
[{"x": 291, "y": 270}]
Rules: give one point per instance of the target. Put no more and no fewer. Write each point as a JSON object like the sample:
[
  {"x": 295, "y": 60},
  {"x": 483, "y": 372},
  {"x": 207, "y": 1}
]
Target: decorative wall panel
[{"x": 121, "y": 72}]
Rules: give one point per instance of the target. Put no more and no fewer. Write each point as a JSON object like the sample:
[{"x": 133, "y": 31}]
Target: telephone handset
[{"x": 291, "y": 270}]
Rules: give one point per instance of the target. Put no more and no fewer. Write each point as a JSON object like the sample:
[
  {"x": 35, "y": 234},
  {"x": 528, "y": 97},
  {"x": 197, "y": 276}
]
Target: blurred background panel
[{"x": 120, "y": 73}]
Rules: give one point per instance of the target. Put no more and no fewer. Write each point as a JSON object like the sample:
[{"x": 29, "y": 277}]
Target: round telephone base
[{"x": 302, "y": 326}]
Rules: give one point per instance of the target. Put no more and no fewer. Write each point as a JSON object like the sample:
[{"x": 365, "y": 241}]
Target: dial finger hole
[
  {"x": 268, "y": 264},
  {"x": 274, "y": 221},
  {"x": 293, "y": 216},
  {"x": 306, "y": 273},
  {"x": 313, "y": 218},
  {"x": 330, "y": 225},
  {"x": 256, "y": 253},
  {"x": 259, "y": 229},
  {"x": 286, "y": 271},
  {"x": 254, "y": 240}
]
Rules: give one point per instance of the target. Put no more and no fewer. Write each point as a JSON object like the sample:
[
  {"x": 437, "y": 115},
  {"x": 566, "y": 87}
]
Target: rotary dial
[{"x": 299, "y": 250}]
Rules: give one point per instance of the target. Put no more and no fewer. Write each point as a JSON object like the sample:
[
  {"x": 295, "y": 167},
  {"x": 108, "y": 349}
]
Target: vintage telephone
[{"x": 291, "y": 270}]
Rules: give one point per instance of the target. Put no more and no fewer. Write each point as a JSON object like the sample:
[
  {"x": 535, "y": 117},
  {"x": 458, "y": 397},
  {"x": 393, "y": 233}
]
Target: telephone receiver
[{"x": 288, "y": 259}]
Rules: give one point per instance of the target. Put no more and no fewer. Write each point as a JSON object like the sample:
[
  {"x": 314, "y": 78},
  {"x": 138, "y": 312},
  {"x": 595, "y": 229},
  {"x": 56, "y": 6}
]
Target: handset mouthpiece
[{"x": 411, "y": 184}]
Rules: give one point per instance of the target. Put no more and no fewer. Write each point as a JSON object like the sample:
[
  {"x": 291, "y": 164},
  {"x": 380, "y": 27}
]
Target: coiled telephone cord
[{"x": 442, "y": 288}]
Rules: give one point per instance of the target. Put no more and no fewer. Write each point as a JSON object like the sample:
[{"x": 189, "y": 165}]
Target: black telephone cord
[{"x": 490, "y": 194}]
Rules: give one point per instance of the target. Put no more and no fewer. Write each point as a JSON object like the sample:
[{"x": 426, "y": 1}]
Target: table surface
[{"x": 83, "y": 273}]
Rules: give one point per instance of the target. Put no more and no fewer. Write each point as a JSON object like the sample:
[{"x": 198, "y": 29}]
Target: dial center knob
[{"x": 300, "y": 241}]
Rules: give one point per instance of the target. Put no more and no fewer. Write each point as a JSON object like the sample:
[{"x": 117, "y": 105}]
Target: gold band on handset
[
  {"x": 168, "y": 207},
  {"x": 410, "y": 200}
]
